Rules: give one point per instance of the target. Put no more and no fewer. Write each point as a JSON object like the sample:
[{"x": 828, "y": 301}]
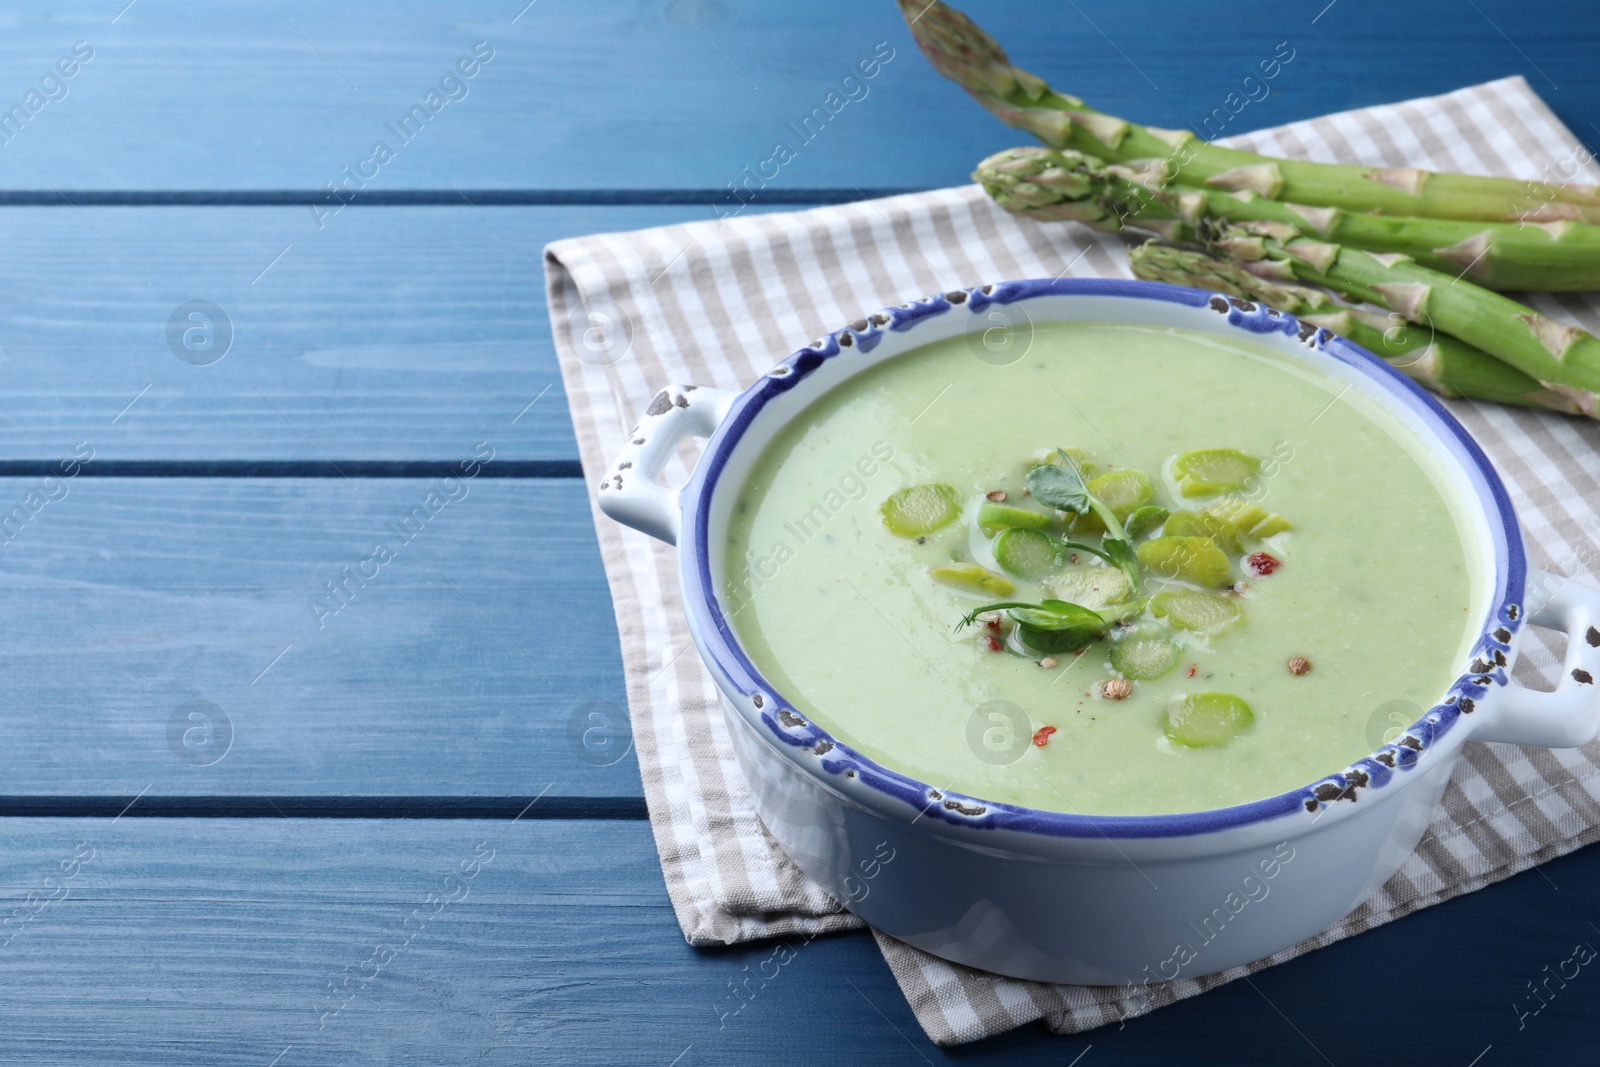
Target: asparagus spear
[
  {"x": 1437, "y": 361},
  {"x": 1047, "y": 184},
  {"x": 1156, "y": 262},
  {"x": 1050, "y": 185},
  {"x": 1434, "y": 360},
  {"x": 962, "y": 52},
  {"x": 1564, "y": 359}
]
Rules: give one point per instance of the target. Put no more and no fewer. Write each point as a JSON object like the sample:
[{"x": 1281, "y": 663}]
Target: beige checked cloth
[{"x": 719, "y": 302}]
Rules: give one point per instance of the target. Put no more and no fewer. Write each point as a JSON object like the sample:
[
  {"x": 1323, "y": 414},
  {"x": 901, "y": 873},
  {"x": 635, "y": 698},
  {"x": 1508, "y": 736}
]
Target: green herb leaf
[
  {"x": 1049, "y": 626},
  {"x": 1063, "y": 607},
  {"x": 1059, "y": 487},
  {"x": 972, "y": 616},
  {"x": 1121, "y": 553}
]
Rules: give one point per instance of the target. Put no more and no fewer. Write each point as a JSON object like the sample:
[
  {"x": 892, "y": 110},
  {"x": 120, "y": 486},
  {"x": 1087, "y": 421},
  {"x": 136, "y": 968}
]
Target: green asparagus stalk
[
  {"x": 962, "y": 52},
  {"x": 1535, "y": 257},
  {"x": 1564, "y": 359},
  {"x": 1434, "y": 360},
  {"x": 1051, "y": 185},
  {"x": 1155, "y": 262},
  {"x": 1048, "y": 184},
  {"x": 1439, "y": 362}
]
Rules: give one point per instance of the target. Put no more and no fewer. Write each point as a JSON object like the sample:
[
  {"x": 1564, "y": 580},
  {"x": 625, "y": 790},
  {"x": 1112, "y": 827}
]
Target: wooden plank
[
  {"x": 397, "y": 333},
  {"x": 222, "y": 942},
  {"x": 618, "y": 94},
  {"x": 459, "y": 666}
]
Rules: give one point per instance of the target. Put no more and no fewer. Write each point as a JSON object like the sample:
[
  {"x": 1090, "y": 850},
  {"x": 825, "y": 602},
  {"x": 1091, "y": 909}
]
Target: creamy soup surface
[{"x": 844, "y": 618}]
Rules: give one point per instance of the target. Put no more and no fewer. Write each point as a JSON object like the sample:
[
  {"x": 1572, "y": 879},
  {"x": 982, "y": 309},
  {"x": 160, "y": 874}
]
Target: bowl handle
[
  {"x": 629, "y": 492},
  {"x": 1570, "y": 715}
]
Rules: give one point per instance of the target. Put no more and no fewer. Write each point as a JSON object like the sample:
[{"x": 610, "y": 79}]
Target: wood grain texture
[
  {"x": 223, "y": 942},
  {"x": 455, "y": 668},
  {"x": 643, "y": 94},
  {"x": 393, "y": 334}
]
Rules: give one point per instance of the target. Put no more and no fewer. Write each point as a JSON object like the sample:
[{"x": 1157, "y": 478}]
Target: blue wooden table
[{"x": 253, "y": 812}]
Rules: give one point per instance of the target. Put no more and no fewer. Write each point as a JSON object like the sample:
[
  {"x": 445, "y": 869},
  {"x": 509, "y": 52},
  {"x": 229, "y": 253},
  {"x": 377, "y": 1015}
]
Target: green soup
[{"x": 1371, "y": 591}]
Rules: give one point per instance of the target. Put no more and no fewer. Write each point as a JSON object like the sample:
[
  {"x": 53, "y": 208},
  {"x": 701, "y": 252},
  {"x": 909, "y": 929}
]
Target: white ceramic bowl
[{"x": 1096, "y": 899}]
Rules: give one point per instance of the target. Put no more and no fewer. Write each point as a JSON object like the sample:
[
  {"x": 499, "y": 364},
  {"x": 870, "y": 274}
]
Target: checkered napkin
[{"x": 719, "y": 302}]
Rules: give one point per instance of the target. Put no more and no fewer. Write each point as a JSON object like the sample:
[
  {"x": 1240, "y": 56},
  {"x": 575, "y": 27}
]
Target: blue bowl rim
[{"x": 788, "y": 727}]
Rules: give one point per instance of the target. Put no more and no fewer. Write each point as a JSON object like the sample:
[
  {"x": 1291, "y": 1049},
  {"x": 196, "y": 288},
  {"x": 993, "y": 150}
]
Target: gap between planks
[
  {"x": 475, "y": 198},
  {"x": 328, "y": 468},
  {"x": 145, "y": 806}
]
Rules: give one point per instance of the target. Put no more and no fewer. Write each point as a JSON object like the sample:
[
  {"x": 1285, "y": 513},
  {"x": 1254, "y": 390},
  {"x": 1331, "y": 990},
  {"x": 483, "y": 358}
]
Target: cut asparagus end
[
  {"x": 972, "y": 578},
  {"x": 1208, "y": 471},
  {"x": 1145, "y": 519},
  {"x": 921, "y": 509},
  {"x": 1196, "y": 560},
  {"x": 1027, "y": 553},
  {"x": 1192, "y": 610},
  {"x": 1203, "y": 720},
  {"x": 1141, "y": 656},
  {"x": 992, "y": 518},
  {"x": 1203, "y": 524},
  {"x": 1097, "y": 588}
]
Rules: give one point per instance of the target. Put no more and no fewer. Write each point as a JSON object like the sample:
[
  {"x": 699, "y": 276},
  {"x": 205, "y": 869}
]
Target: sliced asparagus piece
[
  {"x": 972, "y": 578},
  {"x": 1193, "y": 610},
  {"x": 1082, "y": 460},
  {"x": 1201, "y": 720},
  {"x": 1250, "y": 519},
  {"x": 1027, "y": 553},
  {"x": 1209, "y": 471},
  {"x": 1124, "y": 492},
  {"x": 1144, "y": 654},
  {"x": 1187, "y": 559},
  {"x": 1097, "y": 588},
  {"x": 920, "y": 509},
  {"x": 1204, "y": 524},
  {"x": 992, "y": 518},
  {"x": 1145, "y": 519},
  {"x": 962, "y": 52}
]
